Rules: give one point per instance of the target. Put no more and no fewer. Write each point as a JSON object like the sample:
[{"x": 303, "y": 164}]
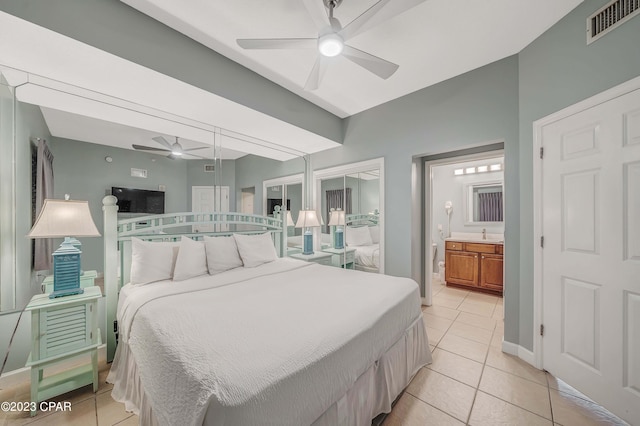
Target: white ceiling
[{"x": 432, "y": 42}]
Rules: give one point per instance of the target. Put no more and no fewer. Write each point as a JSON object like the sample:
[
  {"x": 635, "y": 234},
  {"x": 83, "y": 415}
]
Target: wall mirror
[
  {"x": 484, "y": 202},
  {"x": 82, "y": 129},
  {"x": 286, "y": 192},
  {"x": 350, "y": 200}
]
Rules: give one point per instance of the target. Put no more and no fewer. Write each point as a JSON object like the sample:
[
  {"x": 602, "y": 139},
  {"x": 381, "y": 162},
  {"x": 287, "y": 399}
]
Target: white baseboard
[
  {"x": 516, "y": 350},
  {"x": 23, "y": 375}
]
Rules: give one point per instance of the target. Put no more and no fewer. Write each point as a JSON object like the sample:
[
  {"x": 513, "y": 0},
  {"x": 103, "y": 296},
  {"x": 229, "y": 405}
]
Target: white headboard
[{"x": 168, "y": 227}]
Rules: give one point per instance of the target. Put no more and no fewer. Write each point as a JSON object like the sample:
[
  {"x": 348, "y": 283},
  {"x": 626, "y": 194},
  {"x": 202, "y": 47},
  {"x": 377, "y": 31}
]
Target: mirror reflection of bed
[{"x": 354, "y": 190}]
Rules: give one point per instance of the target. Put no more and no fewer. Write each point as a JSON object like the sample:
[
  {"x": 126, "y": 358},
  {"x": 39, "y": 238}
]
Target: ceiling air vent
[
  {"x": 610, "y": 16},
  {"x": 209, "y": 168}
]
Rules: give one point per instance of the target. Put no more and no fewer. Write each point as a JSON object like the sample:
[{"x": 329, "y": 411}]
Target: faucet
[{"x": 484, "y": 233}]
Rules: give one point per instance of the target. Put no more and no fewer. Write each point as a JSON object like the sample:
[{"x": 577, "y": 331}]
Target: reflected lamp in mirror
[
  {"x": 307, "y": 219},
  {"x": 337, "y": 222},
  {"x": 65, "y": 219},
  {"x": 290, "y": 221}
]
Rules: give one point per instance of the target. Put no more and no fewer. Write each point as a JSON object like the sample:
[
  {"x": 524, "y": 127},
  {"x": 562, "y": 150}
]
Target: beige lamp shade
[
  {"x": 290, "y": 221},
  {"x": 337, "y": 218},
  {"x": 64, "y": 218},
  {"x": 307, "y": 219}
]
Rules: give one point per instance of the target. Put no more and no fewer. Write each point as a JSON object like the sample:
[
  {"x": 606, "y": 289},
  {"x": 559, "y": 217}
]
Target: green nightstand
[
  {"x": 343, "y": 258},
  {"x": 63, "y": 328},
  {"x": 87, "y": 279}
]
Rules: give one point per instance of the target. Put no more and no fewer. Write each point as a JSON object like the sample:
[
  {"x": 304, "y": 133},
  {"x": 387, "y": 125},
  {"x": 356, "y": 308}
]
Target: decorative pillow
[
  {"x": 152, "y": 261},
  {"x": 256, "y": 249},
  {"x": 358, "y": 236},
  {"x": 375, "y": 234},
  {"x": 191, "y": 261},
  {"x": 222, "y": 254}
]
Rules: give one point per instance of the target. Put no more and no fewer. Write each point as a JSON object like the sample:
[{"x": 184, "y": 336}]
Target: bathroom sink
[{"x": 476, "y": 237}]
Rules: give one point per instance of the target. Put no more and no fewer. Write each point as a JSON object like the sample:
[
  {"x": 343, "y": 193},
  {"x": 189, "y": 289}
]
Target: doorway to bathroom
[{"x": 464, "y": 230}]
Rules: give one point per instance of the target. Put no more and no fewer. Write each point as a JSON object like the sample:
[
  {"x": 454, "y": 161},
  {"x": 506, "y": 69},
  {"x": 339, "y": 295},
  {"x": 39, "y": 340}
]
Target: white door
[
  {"x": 591, "y": 254},
  {"x": 209, "y": 199},
  {"x": 247, "y": 202}
]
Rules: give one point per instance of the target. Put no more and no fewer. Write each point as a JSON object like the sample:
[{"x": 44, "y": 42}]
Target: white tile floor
[{"x": 470, "y": 381}]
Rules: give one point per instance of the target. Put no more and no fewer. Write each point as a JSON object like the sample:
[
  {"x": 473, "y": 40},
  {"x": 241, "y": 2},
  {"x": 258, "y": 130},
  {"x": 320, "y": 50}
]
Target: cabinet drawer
[
  {"x": 323, "y": 261},
  {"x": 64, "y": 329},
  {"x": 480, "y": 248},
  {"x": 454, "y": 245},
  {"x": 351, "y": 257},
  {"x": 499, "y": 249}
]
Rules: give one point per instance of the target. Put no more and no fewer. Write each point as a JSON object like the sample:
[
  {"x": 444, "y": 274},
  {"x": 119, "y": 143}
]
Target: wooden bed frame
[{"x": 168, "y": 227}]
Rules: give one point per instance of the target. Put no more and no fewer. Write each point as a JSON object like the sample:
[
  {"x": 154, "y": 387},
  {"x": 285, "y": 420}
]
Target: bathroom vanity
[{"x": 474, "y": 264}]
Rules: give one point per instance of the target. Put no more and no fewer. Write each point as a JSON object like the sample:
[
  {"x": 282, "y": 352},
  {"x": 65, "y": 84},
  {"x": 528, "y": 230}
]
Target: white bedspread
[
  {"x": 276, "y": 344},
  {"x": 368, "y": 255}
]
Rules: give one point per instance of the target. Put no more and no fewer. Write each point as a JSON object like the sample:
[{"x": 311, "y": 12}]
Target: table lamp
[
  {"x": 65, "y": 218},
  {"x": 307, "y": 219},
  {"x": 337, "y": 219},
  {"x": 290, "y": 221}
]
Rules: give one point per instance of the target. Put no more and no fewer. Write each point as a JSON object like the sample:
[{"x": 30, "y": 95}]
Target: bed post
[{"x": 110, "y": 230}]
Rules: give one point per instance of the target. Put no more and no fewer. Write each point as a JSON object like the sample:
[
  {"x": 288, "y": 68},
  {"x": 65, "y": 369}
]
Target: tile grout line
[
  {"x": 546, "y": 376},
  {"x": 475, "y": 394},
  {"x": 432, "y": 406}
]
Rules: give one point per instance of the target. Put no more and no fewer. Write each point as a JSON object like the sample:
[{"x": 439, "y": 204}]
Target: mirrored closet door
[{"x": 350, "y": 201}]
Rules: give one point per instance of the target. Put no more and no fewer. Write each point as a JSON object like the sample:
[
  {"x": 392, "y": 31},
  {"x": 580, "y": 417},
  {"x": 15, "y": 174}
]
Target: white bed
[
  {"x": 284, "y": 343},
  {"x": 368, "y": 256}
]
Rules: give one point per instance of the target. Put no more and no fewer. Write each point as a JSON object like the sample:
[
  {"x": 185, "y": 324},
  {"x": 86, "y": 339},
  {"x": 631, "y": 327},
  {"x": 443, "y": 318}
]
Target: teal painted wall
[{"x": 557, "y": 70}]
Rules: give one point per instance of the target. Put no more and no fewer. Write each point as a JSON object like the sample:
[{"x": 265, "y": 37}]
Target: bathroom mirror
[{"x": 484, "y": 202}]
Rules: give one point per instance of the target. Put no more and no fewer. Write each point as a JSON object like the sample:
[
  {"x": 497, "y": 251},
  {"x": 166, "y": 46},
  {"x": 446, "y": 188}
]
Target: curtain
[
  {"x": 490, "y": 206},
  {"x": 44, "y": 189},
  {"x": 335, "y": 200}
]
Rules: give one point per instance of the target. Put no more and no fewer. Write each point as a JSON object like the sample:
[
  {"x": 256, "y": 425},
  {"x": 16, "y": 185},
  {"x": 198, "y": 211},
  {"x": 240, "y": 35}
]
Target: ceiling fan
[
  {"x": 175, "y": 150},
  {"x": 332, "y": 37}
]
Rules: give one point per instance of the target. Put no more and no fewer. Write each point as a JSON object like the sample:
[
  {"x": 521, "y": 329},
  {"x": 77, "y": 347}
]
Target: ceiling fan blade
[
  {"x": 194, "y": 149},
  {"x": 318, "y": 13},
  {"x": 376, "y": 14},
  {"x": 380, "y": 67},
  {"x": 316, "y": 74},
  {"x": 148, "y": 148},
  {"x": 162, "y": 141},
  {"x": 277, "y": 43},
  {"x": 198, "y": 156}
]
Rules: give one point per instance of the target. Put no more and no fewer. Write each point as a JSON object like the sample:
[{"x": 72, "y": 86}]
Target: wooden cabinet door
[
  {"x": 491, "y": 272},
  {"x": 461, "y": 268}
]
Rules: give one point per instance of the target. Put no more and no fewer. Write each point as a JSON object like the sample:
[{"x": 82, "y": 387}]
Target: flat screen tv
[{"x": 132, "y": 200}]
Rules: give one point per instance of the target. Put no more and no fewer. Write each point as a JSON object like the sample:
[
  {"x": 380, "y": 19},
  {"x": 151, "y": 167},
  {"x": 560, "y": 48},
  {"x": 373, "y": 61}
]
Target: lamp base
[
  {"x": 68, "y": 292},
  {"x": 339, "y": 239},
  {"x": 307, "y": 247}
]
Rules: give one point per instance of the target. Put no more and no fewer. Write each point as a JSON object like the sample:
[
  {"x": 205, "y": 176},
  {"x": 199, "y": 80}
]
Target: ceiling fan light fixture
[
  {"x": 330, "y": 45},
  {"x": 176, "y": 149}
]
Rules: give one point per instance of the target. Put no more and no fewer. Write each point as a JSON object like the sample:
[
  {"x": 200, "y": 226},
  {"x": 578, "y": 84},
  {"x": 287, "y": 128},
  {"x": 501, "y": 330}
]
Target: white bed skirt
[{"x": 371, "y": 394}]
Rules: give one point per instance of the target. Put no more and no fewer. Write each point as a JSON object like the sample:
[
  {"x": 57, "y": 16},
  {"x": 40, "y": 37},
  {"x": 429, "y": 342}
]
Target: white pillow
[
  {"x": 222, "y": 254},
  {"x": 256, "y": 249},
  {"x": 375, "y": 234},
  {"x": 191, "y": 261},
  {"x": 152, "y": 261},
  {"x": 358, "y": 236}
]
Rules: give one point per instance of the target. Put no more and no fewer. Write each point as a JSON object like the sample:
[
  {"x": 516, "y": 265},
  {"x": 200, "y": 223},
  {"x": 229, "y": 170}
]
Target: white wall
[{"x": 448, "y": 187}]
